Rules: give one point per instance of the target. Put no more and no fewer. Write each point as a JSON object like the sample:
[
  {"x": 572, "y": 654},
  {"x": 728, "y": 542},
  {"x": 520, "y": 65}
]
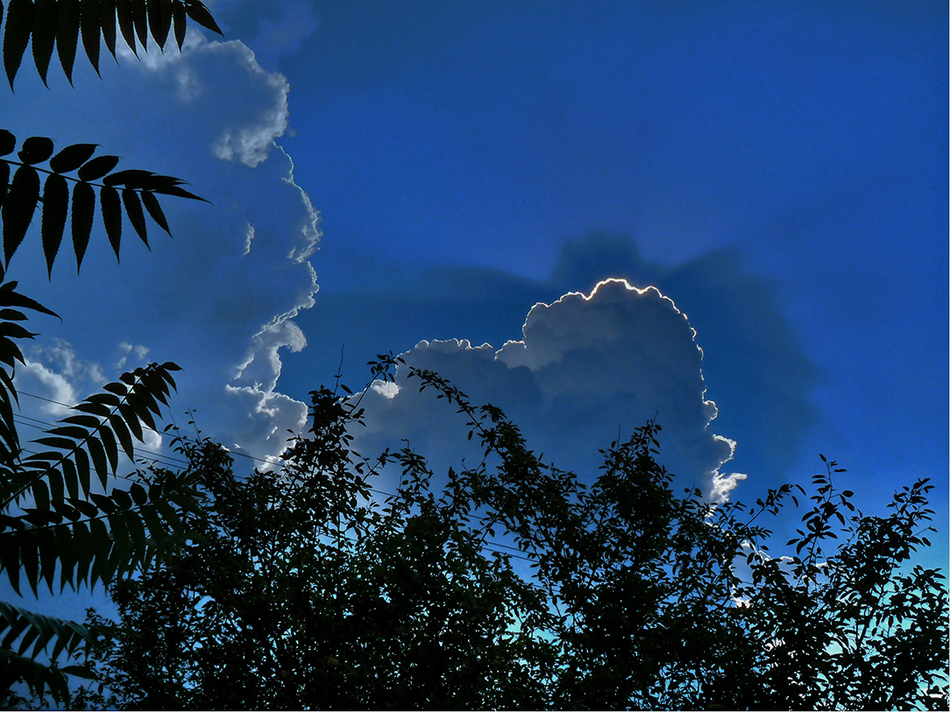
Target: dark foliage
[
  {"x": 511, "y": 585},
  {"x": 55, "y": 527},
  {"x": 61, "y": 23}
]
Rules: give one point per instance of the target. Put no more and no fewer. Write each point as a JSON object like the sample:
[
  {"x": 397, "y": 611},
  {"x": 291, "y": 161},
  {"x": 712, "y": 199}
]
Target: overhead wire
[{"x": 163, "y": 459}]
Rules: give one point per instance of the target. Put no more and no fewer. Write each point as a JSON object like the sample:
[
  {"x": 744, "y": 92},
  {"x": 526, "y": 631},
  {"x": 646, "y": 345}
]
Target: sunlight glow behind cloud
[{"x": 587, "y": 366}]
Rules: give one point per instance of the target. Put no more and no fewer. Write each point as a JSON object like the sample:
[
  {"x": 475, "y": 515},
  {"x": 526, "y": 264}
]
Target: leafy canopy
[{"x": 511, "y": 584}]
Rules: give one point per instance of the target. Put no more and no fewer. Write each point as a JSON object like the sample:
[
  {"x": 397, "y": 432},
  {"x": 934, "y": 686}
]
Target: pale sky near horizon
[{"x": 384, "y": 174}]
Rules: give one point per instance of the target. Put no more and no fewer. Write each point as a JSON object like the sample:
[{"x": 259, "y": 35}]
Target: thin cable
[{"x": 155, "y": 458}]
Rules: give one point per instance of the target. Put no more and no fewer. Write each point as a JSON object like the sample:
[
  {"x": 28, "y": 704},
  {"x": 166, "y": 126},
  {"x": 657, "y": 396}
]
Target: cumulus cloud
[
  {"x": 269, "y": 415},
  {"x": 207, "y": 71},
  {"x": 753, "y": 354},
  {"x": 34, "y": 379},
  {"x": 588, "y": 368},
  {"x": 220, "y": 297}
]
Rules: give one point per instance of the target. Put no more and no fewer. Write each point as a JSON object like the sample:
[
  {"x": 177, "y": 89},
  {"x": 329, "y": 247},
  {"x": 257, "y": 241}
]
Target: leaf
[
  {"x": 72, "y": 157},
  {"x": 71, "y": 477},
  {"x": 123, "y": 558},
  {"x": 5, "y": 181},
  {"x": 16, "y": 35},
  {"x": 10, "y": 561},
  {"x": 56, "y": 486},
  {"x": 44, "y": 35},
  {"x": 132, "y": 178},
  {"x": 122, "y": 498},
  {"x": 179, "y": 192},
  {"x": 36, "y": 149},
  {"x": 133, "y": 208},
  {"x": 123, "y": 9},
  {"x": 155, "y": 210},
  {"x": 169, "y": 515},
  {"x": 29, "y": 557},
  {"x": 131, "y": 420},
  {"x": 86, "y": 421},
  {"x": 138, "y": 494},
  {"x": 101, "y": 550},
  {"x": 137, "y": 401},
  {"x": 107, "y": 399},
  {"x": 200, "y": 14},
  {"x": 82, "y": 545},
  {"x": 53, "y": 225},
  {"x": 160, "y": 20},
  {"x": 140, "y": 21},
  {"x": 97, "y": 167},
  {"x": 67, "y": 35},
  {"x": 136, "y": 532},
  {"x": 180, "y": 20},
  {"x": 98, "y": 456},
  {"x": 67, "y": 557},
  {"x": 107, "y": 22},
  {"x": 68, "y": 431},
  {"x": 89, "y": 25},
  {"x": 18, "y": 208},
  {"x": 104, "y": 503},
  {"x": 83, "y": 470},
  {"x": 117, "y": 389},
  {"x": 49, "y": 555},
  {"x": 112, "y": 216},
  {"x": 7, "y": 142},
  {"x": 97, "y": 409},
  {"x": 40, "y": 494},
  {"x": 156, "y": 527},
  {"x": 83, "y": 210},
  {"x": 111, "y": 447}
]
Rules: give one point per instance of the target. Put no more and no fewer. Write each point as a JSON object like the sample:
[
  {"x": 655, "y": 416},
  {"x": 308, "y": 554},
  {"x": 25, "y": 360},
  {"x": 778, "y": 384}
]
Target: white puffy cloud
[
  {"x": 589, "y": 367},
  {"x": 52, "y": 389},
  {"x": 206, "y": 72}
]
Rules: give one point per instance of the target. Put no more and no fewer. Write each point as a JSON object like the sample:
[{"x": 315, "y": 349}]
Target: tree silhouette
[{"x": 512, "y": 585}]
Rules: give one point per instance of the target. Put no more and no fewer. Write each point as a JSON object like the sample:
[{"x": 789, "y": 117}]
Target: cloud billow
[
  {"x": 589, "y": 367},
  {"x": 220, "y": 297}
]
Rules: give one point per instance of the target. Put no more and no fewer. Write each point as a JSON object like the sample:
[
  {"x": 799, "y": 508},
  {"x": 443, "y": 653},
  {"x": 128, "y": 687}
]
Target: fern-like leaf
[
  {"x": 129, "y": 191},
  {"x": 60, "y": 24}
]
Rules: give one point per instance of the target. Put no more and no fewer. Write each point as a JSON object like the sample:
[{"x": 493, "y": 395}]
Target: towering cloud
[
  {"x": 589, "y": 368},
  {"x": 219, "y": 298}
]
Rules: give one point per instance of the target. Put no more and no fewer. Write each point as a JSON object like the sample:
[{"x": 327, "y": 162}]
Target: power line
[{"x": 161, "y": 458}]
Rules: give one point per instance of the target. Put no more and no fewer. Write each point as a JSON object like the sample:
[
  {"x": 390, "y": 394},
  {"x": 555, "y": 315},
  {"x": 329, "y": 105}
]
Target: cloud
[
  {"x": 207, "y": 72},
  {"x": 219, "y": 298},
  {"x": 587, "y": 367},
  {"x": 753, "y": 364},
  {"x": 270, "y": 414},
  {"x": 34, "y": 379},
  {"x": 753, "y": 354}
]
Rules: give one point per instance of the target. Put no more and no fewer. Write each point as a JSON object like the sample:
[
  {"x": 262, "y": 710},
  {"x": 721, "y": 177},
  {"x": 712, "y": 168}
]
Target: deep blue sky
[{"x": 778, "y": 170}]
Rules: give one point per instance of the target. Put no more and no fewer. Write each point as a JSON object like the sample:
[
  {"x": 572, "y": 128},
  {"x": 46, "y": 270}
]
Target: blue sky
[{"x": 778, "y": 171}]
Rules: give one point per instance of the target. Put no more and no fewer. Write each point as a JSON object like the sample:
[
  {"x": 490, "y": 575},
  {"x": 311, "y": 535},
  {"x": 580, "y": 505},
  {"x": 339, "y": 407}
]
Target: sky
[{"x": 731, "y": 216}]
